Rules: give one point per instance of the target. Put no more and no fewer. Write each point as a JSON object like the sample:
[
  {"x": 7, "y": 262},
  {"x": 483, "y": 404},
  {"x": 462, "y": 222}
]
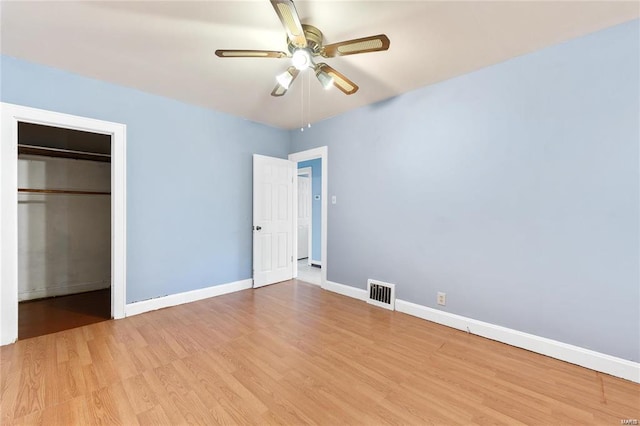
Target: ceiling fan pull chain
[
  {"x": 308, "y": 99},
  {"x": 302, "y": 106}
]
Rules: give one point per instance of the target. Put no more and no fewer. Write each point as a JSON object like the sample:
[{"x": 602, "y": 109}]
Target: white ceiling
[{"x": 167, "y": 47}]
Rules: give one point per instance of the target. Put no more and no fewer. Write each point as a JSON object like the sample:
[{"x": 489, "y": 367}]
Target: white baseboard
[
  {"x": 186, "y": 297},
  {"x": 62, "y": 290},
  {"x": 346, "y": 290},
  {"x": 308, "y": 279},
  {"x": 573, "y": 354}
]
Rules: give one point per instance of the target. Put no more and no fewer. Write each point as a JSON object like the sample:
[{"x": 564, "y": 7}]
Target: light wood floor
[{"x": 294, "y": 354}]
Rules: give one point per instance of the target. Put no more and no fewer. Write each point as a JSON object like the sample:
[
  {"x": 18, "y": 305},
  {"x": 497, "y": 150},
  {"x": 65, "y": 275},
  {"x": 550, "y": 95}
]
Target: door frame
[
  {"x": 307, "y": 171},
  {"x": 311, "y": 154},
  {"x": 10, "y": 116}
]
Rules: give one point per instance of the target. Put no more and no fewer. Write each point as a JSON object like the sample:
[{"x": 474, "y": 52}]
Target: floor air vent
[{"x": 381, "y": 294}]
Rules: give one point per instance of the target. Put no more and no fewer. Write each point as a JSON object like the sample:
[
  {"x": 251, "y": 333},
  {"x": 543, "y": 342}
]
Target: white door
[
  {"x": 272, "y": 220},
  {"x": 304, "y": 216}
]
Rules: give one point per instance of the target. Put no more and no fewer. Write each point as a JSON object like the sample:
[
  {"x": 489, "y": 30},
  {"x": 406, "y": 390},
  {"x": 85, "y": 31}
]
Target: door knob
[{"x": 258, "y": 228}]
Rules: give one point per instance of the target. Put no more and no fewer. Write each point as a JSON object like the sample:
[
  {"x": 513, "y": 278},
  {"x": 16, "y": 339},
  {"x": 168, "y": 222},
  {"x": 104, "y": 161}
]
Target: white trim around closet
[{"x": 10, "y": 116}]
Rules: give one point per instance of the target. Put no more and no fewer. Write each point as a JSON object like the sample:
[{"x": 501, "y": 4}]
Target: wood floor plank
[
  {"x": 140, "y": 394},
  {"x": 155, "y": 416},
  {"x": 31, "y": 387},
  {"x": 292, "y": 353},
  {"x": 108, "y": 407},
  {"x": 71, "y": 412},
  {"x": 65, "y": 381},
  {"x": 221, "y": 399},
  {"x": 9, "y": 395},
  {"x": 179, "y": 401}
]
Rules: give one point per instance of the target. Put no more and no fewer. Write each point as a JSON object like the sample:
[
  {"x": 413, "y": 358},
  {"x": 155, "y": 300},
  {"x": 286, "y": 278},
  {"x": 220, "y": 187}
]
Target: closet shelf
[{"x": 62, "y": 191}]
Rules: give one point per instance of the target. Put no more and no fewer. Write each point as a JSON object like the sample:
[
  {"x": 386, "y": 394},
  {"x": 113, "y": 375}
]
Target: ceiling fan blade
[
  {"x": 250, "y": 54},
  {"x": 281, "y": 88},
  {"x": 286, "y": 11},
  {"x": 347, "y": 86},
  {"x": 359, "y": 45}
]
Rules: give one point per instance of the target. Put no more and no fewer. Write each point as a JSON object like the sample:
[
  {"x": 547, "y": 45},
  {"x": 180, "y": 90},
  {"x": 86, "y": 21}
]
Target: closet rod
[
  {"x": 63, "y": 153},
  {"x": 63, "y": 191}
]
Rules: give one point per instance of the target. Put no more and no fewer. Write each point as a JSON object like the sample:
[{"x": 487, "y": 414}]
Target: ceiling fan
[{"x": 305, "y": 44}]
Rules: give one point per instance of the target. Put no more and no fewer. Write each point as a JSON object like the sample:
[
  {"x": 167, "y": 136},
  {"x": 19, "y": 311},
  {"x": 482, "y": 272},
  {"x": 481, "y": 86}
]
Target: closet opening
[{"x": 64, "y": 229}]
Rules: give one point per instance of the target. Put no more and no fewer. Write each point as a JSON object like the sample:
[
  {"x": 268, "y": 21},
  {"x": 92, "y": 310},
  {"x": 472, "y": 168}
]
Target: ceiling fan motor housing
[{"x": 314, "y": 40}]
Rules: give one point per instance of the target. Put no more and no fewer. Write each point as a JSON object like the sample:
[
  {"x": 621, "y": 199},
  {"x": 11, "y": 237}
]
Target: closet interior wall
[{"x": 64, "y": 211}]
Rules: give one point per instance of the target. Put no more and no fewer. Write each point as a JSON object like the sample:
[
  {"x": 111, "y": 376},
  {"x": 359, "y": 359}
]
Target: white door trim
[
  {"x": 311, "y": 154},
  {"x": 10, "y": 115},
  {"x": 306, "y": 171}
]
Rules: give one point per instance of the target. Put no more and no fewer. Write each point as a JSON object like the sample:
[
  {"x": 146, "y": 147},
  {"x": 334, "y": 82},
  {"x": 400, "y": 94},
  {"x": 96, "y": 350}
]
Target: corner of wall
[{"x": 291, "y": 141}]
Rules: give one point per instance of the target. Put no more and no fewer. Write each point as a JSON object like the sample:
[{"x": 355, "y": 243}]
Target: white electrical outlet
[{"x": 442, "y": 298}]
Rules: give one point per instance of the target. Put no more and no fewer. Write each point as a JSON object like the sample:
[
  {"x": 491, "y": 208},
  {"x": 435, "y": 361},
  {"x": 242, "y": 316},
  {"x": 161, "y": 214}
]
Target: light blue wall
[
  {"x": 316, "y": 206},
  {"x": 514, "y": 189},
  {"x": 189, "y": 176}
]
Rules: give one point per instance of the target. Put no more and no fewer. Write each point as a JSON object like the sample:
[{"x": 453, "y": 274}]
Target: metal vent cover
[{"x": 381, "y": 294}]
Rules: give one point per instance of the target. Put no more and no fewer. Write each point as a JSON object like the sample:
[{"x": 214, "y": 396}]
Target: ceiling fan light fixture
[
  {"x": 325, "y": 79},
  {"x": 301, "y": 59},
  {"x": 285, "y": 79}
]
